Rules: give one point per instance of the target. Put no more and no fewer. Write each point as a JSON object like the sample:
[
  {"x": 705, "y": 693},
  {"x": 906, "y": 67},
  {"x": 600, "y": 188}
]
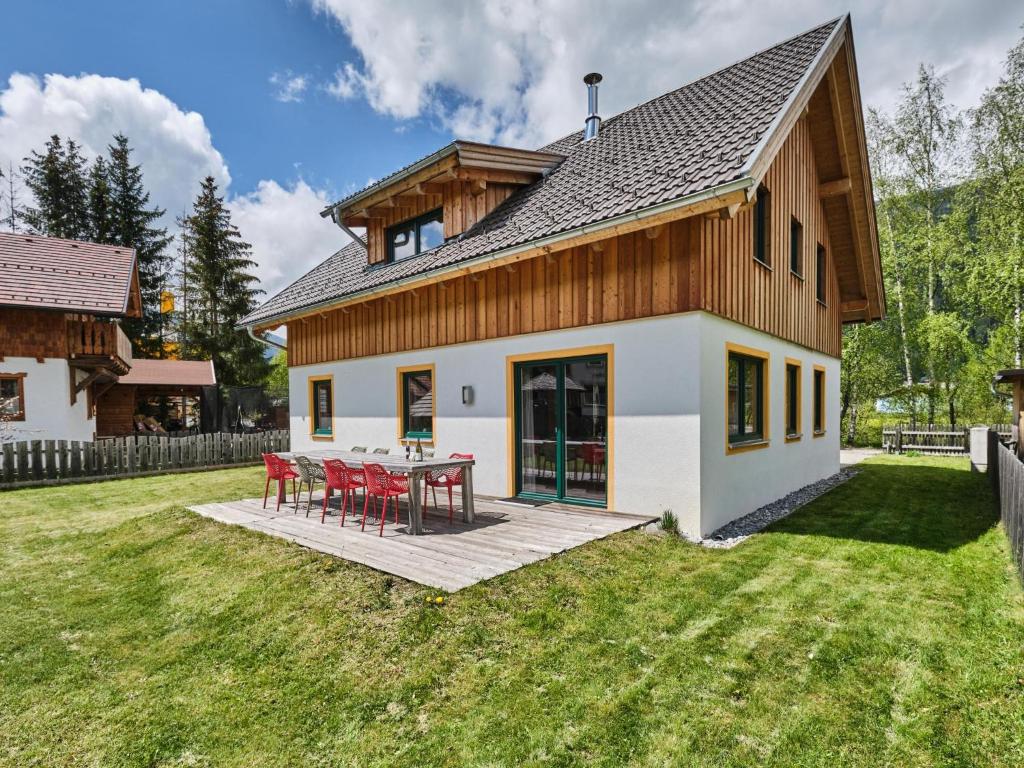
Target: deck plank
[{"x": 503, "y": 538}]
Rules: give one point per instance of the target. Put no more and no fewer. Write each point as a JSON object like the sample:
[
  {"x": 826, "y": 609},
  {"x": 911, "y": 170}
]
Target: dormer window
[{"x": 415, "y": 235}]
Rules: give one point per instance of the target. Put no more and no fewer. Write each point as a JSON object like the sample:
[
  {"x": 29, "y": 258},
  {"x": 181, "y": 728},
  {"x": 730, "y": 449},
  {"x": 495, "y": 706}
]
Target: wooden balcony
[{"x": 99, "y": 345}]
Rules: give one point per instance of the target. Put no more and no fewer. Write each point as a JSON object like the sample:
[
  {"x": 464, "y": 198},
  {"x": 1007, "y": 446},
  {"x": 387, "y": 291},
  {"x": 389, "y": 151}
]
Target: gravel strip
[{"x": 739, "y": 530}]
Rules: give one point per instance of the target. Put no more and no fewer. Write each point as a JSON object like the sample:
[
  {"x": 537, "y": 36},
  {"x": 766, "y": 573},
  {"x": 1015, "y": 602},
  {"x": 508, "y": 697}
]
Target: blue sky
[{"x": 197, "y": 85}]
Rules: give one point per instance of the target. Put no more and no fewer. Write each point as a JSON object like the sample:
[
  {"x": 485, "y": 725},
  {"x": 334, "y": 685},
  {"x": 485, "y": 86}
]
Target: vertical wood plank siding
[{"x": 695, "y": 263}]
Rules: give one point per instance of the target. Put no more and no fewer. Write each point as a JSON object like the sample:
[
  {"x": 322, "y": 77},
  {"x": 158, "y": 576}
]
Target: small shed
[
  {"x": 1014, "y": 376},
  {"x": 187, "y": 388}
]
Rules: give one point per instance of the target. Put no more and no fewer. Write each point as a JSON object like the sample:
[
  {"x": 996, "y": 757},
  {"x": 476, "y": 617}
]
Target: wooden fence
[
  {"x": 933, "y": 438},
  {"x": 1007, "y": 475},
  {"x": 46, "y": 462}
]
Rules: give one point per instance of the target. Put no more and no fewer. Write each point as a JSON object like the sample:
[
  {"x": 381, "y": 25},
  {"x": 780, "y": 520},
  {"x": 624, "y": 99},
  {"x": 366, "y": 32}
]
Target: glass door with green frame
[{"x": 562, "y": 429}]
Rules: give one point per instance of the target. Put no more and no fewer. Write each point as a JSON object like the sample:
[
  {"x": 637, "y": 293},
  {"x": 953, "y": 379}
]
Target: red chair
[
  {"x": 280, "y": 470},
  {"x": 343, "y": 478},
  {"x": 381, "y": 483},
  {"x": 593, "y": 455},
  {"x": 444, "y": 478}
]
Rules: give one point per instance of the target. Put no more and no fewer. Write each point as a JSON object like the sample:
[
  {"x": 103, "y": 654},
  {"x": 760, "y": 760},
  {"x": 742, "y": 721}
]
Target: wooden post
[
  {"x": 899, "y": 438},
  {"x": 51, "y": 460}
]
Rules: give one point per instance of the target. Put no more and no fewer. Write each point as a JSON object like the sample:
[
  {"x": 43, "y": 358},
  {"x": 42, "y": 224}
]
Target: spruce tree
[
  {"x": 220, "y": 292},
  {"x": 100, "y": 224},
  {"x": 133, "y": 225},
  {"x": 56, "y": 179}
]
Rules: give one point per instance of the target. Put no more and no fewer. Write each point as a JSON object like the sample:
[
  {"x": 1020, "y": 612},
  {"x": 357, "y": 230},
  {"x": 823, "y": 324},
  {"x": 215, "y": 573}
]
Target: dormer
[{"x": 437, "y": 198}]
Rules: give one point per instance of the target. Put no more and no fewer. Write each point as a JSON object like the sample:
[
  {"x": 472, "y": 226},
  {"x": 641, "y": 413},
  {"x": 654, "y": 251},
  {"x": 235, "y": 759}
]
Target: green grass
[{"x": 881, "y": 625}]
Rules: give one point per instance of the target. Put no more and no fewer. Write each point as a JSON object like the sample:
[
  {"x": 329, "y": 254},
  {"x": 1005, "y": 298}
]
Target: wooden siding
[
  {"x": 32, "y": 333},
  {"x": 774, "y": 300},
  {"x": 688, "y": 264},
  {"x": 376, "y": 227},
  {"x": 115, "y": 411}
]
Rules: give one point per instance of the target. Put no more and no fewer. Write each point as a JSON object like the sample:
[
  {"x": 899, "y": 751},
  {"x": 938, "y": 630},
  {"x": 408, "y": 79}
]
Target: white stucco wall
[
  {"x": 656, "y": 406},
  {"x": 49, "y": 414},
  {"x": 737, "y": 484},
  {"x": 669, "y": 406}
]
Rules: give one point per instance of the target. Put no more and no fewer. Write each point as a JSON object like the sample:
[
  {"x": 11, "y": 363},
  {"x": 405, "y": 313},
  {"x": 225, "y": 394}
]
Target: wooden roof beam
[{"x": 835, "y": 188}]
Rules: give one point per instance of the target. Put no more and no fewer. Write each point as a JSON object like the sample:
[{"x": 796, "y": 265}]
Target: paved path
[{"x": 850, "y": 456}]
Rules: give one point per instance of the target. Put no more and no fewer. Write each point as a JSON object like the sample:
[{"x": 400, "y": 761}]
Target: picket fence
[
  {"x": 933, "y": 438},
  {"x": 46, "y": 462},
  {"x": 1007, "y": 475}
]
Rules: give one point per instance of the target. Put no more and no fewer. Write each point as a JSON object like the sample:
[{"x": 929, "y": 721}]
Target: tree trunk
[{"x": 851, "y": 425}]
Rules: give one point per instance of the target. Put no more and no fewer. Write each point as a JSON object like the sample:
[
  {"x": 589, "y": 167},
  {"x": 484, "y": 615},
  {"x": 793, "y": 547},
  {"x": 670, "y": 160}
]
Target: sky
[{"x": 291, "y": 104}]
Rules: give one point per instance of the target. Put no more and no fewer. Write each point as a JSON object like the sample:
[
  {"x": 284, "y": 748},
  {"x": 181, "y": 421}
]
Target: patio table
[{"x": 414, "y": 470}]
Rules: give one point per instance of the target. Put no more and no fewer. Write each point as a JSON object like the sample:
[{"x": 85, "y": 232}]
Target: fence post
[{"x": 899, "y": 438}]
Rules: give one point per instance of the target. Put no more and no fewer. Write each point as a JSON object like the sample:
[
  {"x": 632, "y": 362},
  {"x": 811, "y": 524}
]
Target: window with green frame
[
  {"x": 322, "y": 407},
  {"x": 418, "y": 405},
  {"x": 746, "y": 398}
]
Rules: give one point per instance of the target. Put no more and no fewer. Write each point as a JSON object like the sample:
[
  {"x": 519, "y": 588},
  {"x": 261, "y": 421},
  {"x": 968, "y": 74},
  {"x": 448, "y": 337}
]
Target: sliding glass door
[{"x": 562, "y": 429}]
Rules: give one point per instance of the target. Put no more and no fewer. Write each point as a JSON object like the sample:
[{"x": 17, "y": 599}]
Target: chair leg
[
  {"x": 423, "y": 509},
  {"x": 266, "y": 492},
  {"x": 344, "y": 505},
  {"x": 323, "y": 514},
  {"x": 366, "y": 506},
  {"x": 433, "y": 490},
  {"x": 384, "y": 515},
  {"x": 280, "y": 491},
  {"x": 309, "y": 501},
  {"x": 451, "y": 505}
]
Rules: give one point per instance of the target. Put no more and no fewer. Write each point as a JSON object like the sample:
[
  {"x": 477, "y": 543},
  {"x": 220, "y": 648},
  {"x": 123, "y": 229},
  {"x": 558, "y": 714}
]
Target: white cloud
[
  {"x": 173, "y": 146},
  {"x": 510, "y": 70},
  {"x": 289, "y": 87},
  {"x": 176, "y": 151},
  {"x": 287, "y": 234}
]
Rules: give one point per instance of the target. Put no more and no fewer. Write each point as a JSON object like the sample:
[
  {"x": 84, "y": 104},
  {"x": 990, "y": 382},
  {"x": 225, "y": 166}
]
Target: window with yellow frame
[
  {"x": 819, "y": 401},
  {"x": 794, "y": 397},
  {"x": 321, "y": 407},
  {"x": 746, "y": 398},
  {"x": 415, "y": 406}
]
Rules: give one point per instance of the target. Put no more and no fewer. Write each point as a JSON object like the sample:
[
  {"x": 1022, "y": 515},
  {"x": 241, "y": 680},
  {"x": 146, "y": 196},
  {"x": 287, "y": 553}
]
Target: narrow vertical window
[
  {"x": 417, "y": 404},
  {"x": 761, "y": 220},
  {"x": 820, "y": 271},
  {"x": 796, "y": 247},
  {"x": 321, "y": 404},
  {"x": 792, "y": 400},
  {"x": 819, "y": 400},
  {"x": 746, "y": 397}
]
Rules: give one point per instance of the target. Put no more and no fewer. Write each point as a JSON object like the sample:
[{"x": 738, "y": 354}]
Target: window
[
  {"x": 761, "y": 250},
  {"x": 415, "y": 235},
  {"x": 416, "y": 391},
  {"x": 12, "y": 396},
  {"x": 321, "y": 407},
  {"x": 819, "y": 401},
  {"x": 792, "y": 399},
  {"x": 796, "y": 247},
  {"x": 820, "y": 269},
  {"x": 746, "y": 396}
]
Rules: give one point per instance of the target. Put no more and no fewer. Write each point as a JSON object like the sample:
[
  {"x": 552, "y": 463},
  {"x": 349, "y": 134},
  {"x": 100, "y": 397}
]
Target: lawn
[{"x": 881, "y": 625}]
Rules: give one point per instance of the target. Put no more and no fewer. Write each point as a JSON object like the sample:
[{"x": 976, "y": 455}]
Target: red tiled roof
[
  {"x": 75, "y": 276},
  {"x": 180, "y": 373}
]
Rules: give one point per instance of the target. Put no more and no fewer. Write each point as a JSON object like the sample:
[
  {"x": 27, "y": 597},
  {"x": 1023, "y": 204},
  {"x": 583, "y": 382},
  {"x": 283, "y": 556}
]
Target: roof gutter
[
  {"x": 345, "y": 228},
  {"x": 745, "y": 183},
  {"x": 268, "y": 342}
]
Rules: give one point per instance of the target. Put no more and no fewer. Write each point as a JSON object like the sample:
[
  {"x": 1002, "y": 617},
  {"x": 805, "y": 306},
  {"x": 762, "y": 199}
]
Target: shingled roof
[
  {"x": 700, "y": 139},
  {"x": 69, "y": 275}
]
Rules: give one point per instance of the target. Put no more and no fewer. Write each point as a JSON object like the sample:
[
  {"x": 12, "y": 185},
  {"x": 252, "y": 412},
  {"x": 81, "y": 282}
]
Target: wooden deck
[{"x": 451, "y": 557}]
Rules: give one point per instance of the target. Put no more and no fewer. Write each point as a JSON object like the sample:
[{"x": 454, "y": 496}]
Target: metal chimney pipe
[{"x": 593, "y": 124}]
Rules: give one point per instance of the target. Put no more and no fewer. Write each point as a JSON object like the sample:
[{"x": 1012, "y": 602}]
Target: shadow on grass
[{"x": 927, "y": 506}]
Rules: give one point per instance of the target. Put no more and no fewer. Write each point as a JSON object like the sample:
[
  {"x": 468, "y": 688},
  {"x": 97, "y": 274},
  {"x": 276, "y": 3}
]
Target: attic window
[
  {"x": 415, "y": 235},
  {"x": 762, "y": 253}
]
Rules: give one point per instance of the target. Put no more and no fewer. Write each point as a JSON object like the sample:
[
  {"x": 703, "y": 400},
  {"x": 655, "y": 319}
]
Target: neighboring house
[
  {"x": 187, "y": 387},
  {"x": 645, "y": 315},
  {"x": 60, "y": 342}
]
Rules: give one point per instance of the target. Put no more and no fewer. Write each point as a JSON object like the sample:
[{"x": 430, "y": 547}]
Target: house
[
  {"x": 66, "y": 367},
  {"x": 643, "y": 315},
  {"x": 61, "y": 343}
]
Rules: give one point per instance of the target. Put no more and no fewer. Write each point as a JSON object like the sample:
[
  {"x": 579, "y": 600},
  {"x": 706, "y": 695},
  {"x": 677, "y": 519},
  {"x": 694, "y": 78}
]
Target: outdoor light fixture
[{"x": 467, "y": 395}]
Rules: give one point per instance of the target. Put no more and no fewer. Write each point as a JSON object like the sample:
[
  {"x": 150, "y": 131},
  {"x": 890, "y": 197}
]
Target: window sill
[
  {"x": 315, "y": 436},
  {"x": 821, "y": 304},
  {"x": 794, "y": 437},
  {"x": 749, "y": 445},
  {"x": 797, "y": 275},
  {"x": 412, "y": 440},
  {"x": 819, "y": 433},
  {"x": 763, "y": 265}
]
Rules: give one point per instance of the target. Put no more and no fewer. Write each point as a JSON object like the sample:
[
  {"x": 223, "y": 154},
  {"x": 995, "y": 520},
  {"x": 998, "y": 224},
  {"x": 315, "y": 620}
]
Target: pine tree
[
  {"x": 57, "y": 181},
  {"x": 132, "y": 224},
  {"x": 13, "y": 211},
  {"x": 100, "y": 204},
  {"x": 220, "y": 292}
]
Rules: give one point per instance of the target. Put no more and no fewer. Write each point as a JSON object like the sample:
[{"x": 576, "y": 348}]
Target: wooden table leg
[
  {"x": 468, "y": 512},
  {"x": 415, "y": 503}
]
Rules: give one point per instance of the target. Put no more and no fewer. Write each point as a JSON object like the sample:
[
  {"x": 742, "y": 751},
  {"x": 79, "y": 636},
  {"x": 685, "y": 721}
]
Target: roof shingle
[{"x": 687, "y": 141}]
